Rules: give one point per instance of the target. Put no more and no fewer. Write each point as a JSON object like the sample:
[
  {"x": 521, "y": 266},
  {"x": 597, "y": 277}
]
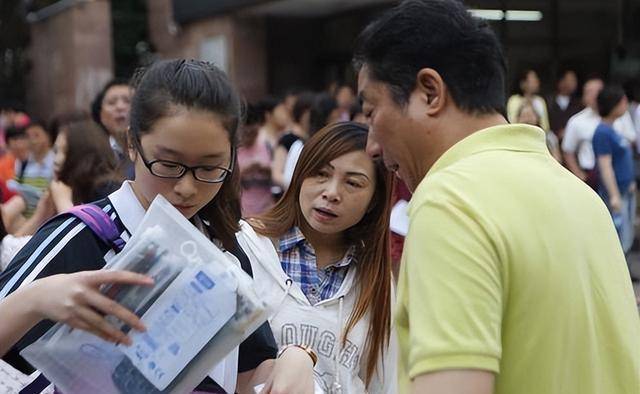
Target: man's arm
[
  {"x": 451, "y": 298},
  {"x": 569, "y": 148},
  {"x": 465, "y": 381},
  {"x": 572, "y": 163},
  {"x": 609, "y": 180}
]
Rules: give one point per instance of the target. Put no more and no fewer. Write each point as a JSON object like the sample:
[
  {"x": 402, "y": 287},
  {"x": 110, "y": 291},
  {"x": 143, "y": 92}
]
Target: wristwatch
[{"x": 307, "y": 349}]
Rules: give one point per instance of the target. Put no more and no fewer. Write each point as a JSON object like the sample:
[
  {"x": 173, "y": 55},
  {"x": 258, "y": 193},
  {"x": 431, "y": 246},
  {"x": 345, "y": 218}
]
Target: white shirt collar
[{"x": 128, "y": 207}]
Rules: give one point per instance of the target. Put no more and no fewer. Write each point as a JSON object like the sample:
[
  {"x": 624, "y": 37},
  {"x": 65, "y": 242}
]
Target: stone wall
[{"x": 71, "y": 57}]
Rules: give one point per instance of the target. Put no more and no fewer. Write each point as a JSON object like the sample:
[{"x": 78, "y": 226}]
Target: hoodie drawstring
[
  {"x": 336, "y": 388},
  {"x": 288, "y": 284}
]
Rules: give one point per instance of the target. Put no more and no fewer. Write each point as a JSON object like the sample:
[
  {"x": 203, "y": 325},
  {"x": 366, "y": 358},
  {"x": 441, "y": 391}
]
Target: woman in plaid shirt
[{"x": 332, "y": 273}]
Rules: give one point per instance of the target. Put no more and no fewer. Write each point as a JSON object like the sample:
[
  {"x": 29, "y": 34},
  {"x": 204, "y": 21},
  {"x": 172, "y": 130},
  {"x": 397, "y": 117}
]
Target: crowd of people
[
  {"x": 606, "y": 162},
  {"x": 49, "y": 167},
  {"x": 513, "y": 274}
]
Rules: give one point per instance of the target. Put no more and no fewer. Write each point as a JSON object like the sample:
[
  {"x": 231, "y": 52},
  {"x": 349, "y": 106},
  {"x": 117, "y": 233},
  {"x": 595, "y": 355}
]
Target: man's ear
[{"x": 432, "y": 86}]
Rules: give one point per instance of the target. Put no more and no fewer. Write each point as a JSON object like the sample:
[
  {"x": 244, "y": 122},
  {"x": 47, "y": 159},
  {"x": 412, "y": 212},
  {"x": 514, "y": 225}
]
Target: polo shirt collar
[{"x": 509, "y": 137}]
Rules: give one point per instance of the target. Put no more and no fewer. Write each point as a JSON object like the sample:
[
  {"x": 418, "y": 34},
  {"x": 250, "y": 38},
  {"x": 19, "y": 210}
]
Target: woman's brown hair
[
  {"x": 370, "y": 235},
  {"x": 89, "y": 163}
]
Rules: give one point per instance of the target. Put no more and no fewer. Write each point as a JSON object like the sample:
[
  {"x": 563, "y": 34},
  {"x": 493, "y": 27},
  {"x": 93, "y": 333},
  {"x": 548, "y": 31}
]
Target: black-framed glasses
[{"x": 175, "y": 170}]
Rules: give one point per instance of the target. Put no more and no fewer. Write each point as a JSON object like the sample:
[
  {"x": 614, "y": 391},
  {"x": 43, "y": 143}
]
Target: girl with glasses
[{"x": 182, "y": 138}]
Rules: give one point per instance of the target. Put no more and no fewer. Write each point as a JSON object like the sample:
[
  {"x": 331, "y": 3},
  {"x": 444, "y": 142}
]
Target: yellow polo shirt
[{"x": 513, "y": 265}]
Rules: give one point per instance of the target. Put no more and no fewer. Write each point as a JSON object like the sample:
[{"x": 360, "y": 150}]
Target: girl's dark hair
[
  {"x": 200, "y": 85},
  {"x": 89, "y": 163},
  {"x": 322, "y": 107},
  {"x": 608, "y": 98},
  {"x": 370, "y": 235},
  {"x": 96, "y": 104}
]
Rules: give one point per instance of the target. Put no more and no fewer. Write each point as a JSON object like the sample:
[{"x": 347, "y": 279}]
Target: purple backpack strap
[{"x": 100, "y": 223}]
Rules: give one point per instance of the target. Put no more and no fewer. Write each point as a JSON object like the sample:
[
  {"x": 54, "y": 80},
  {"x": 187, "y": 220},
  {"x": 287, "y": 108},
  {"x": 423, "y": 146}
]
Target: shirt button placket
[{"x": 314, "y": 293}]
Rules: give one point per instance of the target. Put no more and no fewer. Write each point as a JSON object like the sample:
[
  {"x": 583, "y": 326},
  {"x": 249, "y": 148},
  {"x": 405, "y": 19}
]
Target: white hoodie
[{"x": 295, "y": 320}]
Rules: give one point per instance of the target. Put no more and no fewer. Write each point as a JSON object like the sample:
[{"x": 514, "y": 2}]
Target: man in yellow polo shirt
[{"x": 513, "y": 279}]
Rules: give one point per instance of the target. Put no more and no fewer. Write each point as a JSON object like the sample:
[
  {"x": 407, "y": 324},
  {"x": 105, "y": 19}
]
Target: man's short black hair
[
  {"x": 437, "y": 34},
  {"x": 608, "y": 98}
]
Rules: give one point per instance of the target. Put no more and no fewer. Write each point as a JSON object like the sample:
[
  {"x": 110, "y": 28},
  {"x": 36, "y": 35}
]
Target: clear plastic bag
[{"x": 201, "y": 307}]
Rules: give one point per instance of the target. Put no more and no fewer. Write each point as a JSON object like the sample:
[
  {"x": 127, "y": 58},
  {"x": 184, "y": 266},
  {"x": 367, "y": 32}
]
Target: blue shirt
[
  {"x": 298, "y": 260},
  {"x": 607, "y": 142}
]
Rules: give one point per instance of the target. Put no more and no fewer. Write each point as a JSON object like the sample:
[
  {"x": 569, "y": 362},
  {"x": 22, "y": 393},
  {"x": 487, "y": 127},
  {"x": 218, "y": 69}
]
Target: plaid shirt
[{"x": 298, "y": 260}]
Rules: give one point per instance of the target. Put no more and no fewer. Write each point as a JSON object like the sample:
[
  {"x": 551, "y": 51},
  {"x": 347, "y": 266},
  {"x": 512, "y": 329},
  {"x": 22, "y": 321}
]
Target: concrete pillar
[
  {"x": 71, "y": 54},
  {"x": 237, "y": 45}
]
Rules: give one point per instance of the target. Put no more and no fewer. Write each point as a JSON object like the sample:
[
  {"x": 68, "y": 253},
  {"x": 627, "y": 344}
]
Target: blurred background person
[
  {"x": 290, "y": 99},
  {"x": 276, "y": 120},
  {"x": 11, "y": 115},
  {"x": 85, "y": 170},
  {"x": 577, "y": 147},
  {"x": 529, "y": 86},
  {"x": 38, "y": 171},
  {"x": 254, "y": 162},
  {"x": 615, "y": 164},
  {"x": 563, "y": 104},
  {"x": 16, "y": 154},
  {"x": 299, "y": 131},
  {"x": 528, "y": 115},
  {"x": 32, "y": 176},
  {"x": 323, "y": 112},
  {"x": 110, "y": 109},
  {"x": 345, "y": 98}
]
